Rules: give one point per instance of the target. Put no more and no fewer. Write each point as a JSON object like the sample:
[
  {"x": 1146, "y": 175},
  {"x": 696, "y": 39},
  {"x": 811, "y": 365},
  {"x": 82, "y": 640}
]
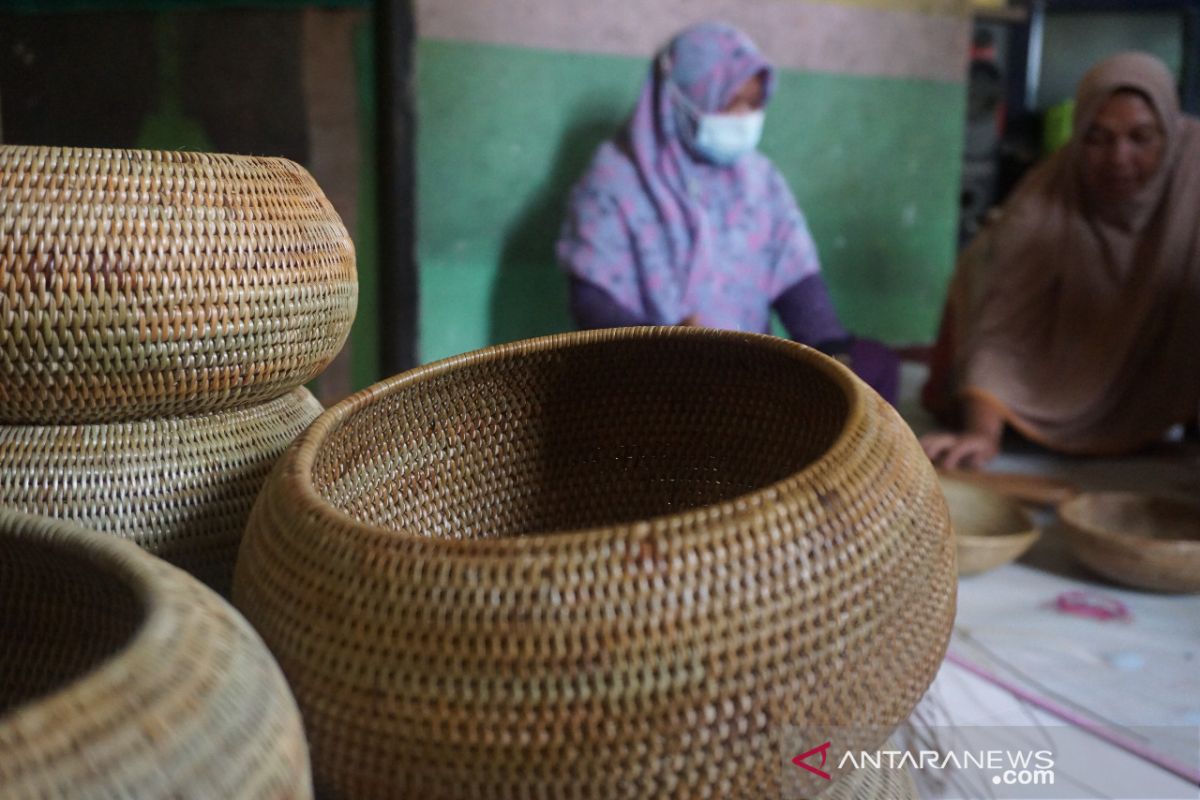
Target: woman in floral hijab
[{"x": 680, "y": 220}]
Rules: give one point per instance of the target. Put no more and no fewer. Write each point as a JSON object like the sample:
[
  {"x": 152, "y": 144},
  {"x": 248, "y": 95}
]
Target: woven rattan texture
[
  {"x": 121, "y": 676},
  {"x": 140, "y": 283},
  {"x": 180, "y": 487},
  {"x": 598, "y": 565},
  {"x": 873, "y": 784}
]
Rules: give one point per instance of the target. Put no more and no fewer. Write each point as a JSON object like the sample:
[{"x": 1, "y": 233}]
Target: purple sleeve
[
  {"x": 592, "y": 307},
  {"x": 807, "y": 312},
  {"x": 877, "y": 364}
]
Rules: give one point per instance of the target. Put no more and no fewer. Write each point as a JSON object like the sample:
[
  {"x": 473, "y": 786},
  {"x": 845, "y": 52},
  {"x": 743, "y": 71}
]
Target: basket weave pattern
[
  {"x": 120, "y": 676},
  {"x": 607, "y": 564},
  {"x": 873, "y": 784},
  {"x": 180, "y": 487},
  {"x": 142, "y": 283}
]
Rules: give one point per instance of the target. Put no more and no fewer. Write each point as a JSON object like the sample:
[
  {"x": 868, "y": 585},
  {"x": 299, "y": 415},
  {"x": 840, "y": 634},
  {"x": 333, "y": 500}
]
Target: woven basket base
[{"x": 873, "y": 784}]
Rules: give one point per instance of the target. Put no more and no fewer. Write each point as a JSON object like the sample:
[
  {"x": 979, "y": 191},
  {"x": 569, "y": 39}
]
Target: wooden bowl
[
  {"x": 990, "y": 529},
  {"x": 605, "y": 564},
  {"x": 1140, "y": 540},
  {"x": 123, "y": 677}
]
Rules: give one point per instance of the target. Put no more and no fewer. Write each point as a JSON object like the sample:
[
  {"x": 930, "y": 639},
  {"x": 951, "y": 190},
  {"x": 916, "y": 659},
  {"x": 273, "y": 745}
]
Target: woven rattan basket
[
  {"x": 180, "y": 487},
  {"x": 605, "y": 564},
  {"x": 873, "y": 784},
  {"x": 138, "y": 283},
  {"x": 123, "y": 677}
]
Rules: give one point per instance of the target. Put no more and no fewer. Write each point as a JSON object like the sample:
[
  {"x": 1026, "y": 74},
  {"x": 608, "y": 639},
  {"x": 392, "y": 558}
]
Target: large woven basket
[
  {"x": 140, "y": 283},
  {"x": 605, "y": 564},
  {"x": 180, "y": 487},
  {"x": 123, "y": 677}
]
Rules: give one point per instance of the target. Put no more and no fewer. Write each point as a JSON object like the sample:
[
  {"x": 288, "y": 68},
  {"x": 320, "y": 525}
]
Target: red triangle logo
[{"x": 800, "y": 760}]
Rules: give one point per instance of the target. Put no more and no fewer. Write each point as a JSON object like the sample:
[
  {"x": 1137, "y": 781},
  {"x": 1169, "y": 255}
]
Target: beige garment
[{"x": 1085, "y": 331}]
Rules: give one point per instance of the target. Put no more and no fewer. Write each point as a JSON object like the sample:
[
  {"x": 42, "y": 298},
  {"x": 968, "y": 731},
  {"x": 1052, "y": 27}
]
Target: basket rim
[
  {"x": 1073, "y": 521},
  {"x": 1030, "y": 530},
  {"x": 122, "y": 561},
  {"x": 181, "y": 157},
  {"x": 297, "y": 463},
  {"x": 999, "y": 540},
  {"x": 172, "y": 429}
]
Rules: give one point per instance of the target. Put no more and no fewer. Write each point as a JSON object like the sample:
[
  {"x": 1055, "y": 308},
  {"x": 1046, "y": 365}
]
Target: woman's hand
[
  {"x": 967, "y": 450},
  {"x": 972, "y": 448}
]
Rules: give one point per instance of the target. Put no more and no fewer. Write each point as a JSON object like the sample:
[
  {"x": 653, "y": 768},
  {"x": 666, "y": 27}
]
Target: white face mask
[
  {"x": 719, "y": 138},
  {"x": 723, "y": 138}
]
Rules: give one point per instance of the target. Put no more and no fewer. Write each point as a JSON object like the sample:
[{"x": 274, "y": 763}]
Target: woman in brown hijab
[{"x": 1075, "y": 316}]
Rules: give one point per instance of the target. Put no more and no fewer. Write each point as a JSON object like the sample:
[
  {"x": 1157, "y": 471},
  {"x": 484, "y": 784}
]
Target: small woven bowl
[
  {"x": 137, "y": 283},
  {"x": 121, "y": 676},
  {"x": 179, "y": 487},
  {"x": 990, "y": 530},
  {"x": 599, "y": 565},
  {"x": 1139, "y": 540}
]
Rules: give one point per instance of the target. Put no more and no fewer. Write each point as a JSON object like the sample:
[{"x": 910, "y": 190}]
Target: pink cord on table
[{"x": 1092, "y": 606}]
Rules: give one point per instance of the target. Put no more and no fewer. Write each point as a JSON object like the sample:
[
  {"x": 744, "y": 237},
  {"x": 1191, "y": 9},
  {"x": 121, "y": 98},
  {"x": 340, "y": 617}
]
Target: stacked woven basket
[{"x": 159, "y": 313}]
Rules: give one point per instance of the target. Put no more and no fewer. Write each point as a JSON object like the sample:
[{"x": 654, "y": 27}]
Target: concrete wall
[{"x": 513, "y": 96}]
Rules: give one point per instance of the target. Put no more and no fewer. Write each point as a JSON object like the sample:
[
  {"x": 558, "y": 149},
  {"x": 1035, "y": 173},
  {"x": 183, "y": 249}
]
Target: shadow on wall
[{"x": 529, "y": 297}]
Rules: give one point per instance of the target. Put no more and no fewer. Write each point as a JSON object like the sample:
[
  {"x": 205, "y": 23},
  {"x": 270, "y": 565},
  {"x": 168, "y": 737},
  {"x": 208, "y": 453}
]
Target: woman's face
[
  {"x": 1123, "y": 147},
  {"x": 749, "y": 97}
]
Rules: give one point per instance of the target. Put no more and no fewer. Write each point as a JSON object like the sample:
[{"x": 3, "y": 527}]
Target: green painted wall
[{"x": 503, "y": 132}]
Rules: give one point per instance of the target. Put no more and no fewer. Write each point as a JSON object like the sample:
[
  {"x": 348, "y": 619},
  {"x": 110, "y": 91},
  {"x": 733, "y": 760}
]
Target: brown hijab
[{"x": 1085, "y": 331}]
